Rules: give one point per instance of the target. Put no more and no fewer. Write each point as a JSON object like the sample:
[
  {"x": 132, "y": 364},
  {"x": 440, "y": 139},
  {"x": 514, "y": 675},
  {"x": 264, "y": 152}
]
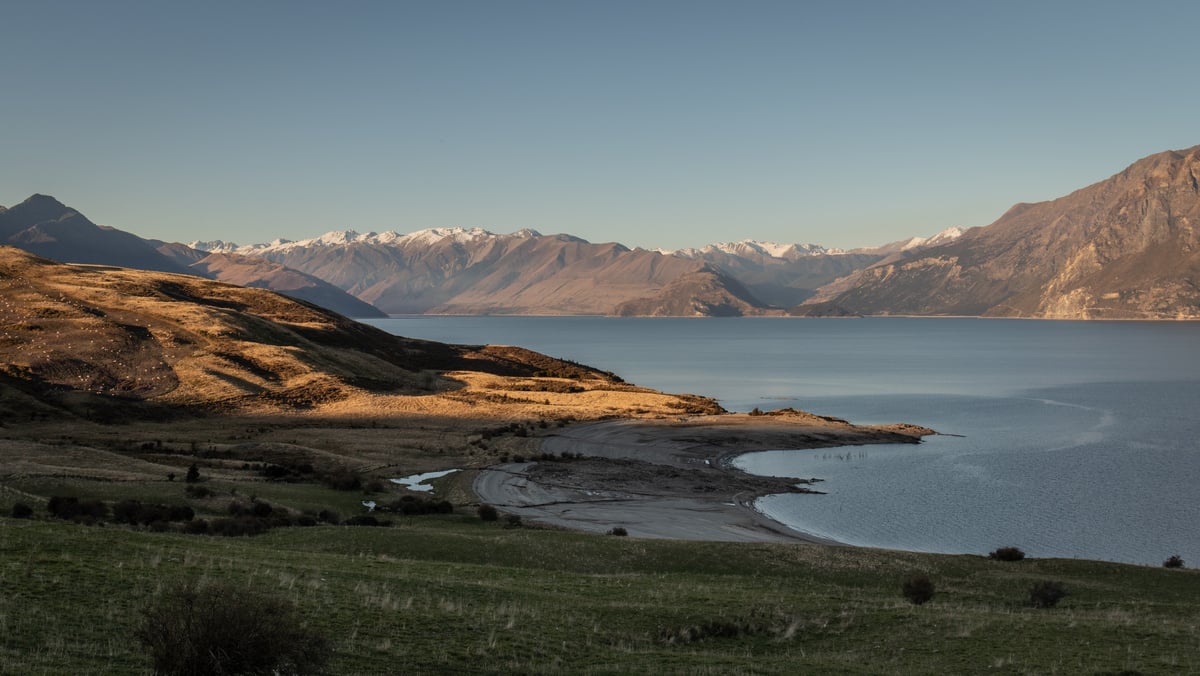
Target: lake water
[{"x": 1079, "y": 439}]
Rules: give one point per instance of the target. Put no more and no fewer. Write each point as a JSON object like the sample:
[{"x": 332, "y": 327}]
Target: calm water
[{"x": 1079, "y": 439}]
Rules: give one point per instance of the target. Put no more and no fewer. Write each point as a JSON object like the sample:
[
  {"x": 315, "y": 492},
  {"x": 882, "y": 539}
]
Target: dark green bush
[
  {"x": 1007, "y": 554},
  {"x": 488, "y": 513},
  {"x": 917, "y": 588},
  {"x": 197, "y": 492},
  {"x": 1046, "y": 593},
  {"x": 619, "y": 530},
  {"x": 365, "y": 520},
  {"x": 218, "y": 630},
  {"x": 1174, "y": 561},
  {"x": 414, "y": 505},
  {"x": 193, "y": 474},
  {"x": 21, "y": 510},
  {"x": 74, "y": 509}
]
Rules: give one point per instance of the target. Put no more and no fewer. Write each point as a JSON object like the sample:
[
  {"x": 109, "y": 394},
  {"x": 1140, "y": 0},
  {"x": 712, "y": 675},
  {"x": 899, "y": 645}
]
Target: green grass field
[{"x": 452, "y": 594}]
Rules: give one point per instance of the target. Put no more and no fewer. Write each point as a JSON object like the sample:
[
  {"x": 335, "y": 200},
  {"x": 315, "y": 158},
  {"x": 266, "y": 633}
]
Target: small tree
[
  {"x": 1174, "y": 561},
  {"x": 218, "y": 629},
  {"x": 618, "y": 530},
  {"x": 21, "y": 510},
  {"x": 917, "y": 588},
  {"x": 1046, "y": 593},
  {"x": 488, "y": 513},
  {"x": 1007, "y": 554},
  {"x": 193, "y": 474}
]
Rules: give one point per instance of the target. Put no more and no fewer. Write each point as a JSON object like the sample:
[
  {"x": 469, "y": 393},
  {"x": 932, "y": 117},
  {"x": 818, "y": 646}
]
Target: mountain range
[
  {"x": 1125, "y": 247},
  {"x": 474, "y": 271}
]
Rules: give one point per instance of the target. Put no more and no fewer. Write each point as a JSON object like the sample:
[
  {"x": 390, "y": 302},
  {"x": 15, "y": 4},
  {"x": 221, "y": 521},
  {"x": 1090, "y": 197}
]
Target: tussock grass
[{"x": 456, "y": 594}]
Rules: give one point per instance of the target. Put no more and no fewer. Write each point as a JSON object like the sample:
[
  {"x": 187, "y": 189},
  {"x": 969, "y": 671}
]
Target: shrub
[
  {"x": 365, "y": 520},
  {"x": 238, "y": 526},
  {"x": 219, "y": 629},
  {"x": 512, "y": 521},
  {"x": 329, "y": 516},
  {"x": 1007, "y": 554},
  {"x": 1175, "y": 561},
  {"x": 197, "y": 492},
  {"x": 342, "y": 480},
  {"x": 917, "y": 588},
  {"x": 488, "y": 513},
  {"x": 74, "y": 509},
  {"x": 193, "y": 474},
  {"x": 21, "y": 510},
  {"x": 1046, "y": 593},
  {"x": 618, "y": 531},
  {"x": 196, "y": 527}
]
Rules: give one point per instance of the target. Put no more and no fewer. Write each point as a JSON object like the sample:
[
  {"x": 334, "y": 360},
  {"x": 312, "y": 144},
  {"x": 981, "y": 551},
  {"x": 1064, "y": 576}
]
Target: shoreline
[{"x": 674, "y": 478}]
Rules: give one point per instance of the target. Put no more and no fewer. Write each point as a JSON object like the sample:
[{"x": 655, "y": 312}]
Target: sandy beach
[{"x": 671, "y": 478}]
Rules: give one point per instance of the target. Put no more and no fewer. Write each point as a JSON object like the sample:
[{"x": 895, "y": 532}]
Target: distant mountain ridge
[
  {"x": 467, "y": 271},
  {"x": 1127, "y": 247},
  {"x": 475, "y": 271}
]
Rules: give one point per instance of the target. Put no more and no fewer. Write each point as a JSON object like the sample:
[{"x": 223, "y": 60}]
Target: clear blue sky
[{"x": 653, "y": 123}]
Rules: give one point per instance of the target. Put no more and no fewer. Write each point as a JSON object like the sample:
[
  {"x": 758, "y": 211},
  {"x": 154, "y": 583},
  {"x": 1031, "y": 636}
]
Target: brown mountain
[
  {"x": 261, "y": 273},
  {"x": 704, "y": 293},
  {"x": 47, "y": 227},
  {"x": 457, "y": 271},
  {"x": 109, "y": 343},
  {"x": 44, "y": 226},
  {"x": 1124, "y": 248}
]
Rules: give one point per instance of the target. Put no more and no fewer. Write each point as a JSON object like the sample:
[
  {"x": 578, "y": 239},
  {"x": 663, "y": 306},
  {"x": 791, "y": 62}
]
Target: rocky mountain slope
[
  {"x": 44, "y": 226},
  {"x": 1124, "y": 248},
  {"x": 112, "y": 343}
]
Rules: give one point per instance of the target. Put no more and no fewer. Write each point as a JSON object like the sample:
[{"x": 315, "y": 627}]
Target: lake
[{"x": 1078, "y": 439}]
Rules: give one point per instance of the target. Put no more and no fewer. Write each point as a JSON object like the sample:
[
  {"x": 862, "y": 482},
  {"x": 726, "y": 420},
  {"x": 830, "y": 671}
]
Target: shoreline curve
[{"x": 672, "y": 479}]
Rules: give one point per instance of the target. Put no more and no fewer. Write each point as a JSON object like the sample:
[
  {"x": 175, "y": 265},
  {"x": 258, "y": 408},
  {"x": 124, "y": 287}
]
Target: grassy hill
[
  {"x": 451, "y": 594},
  {"x": 260, "y": 425}
]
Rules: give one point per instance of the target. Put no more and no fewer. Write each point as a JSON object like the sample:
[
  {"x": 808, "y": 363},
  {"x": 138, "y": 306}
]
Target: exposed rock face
[{"x": 1125, "y": 248}]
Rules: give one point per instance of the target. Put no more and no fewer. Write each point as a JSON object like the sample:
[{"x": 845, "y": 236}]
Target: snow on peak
[
  {"x": 435, "y": 235},
  {"x": 944, "y": 237},
  {"x": 750, "y": 247},
  {"x": 214, "y": 246}
]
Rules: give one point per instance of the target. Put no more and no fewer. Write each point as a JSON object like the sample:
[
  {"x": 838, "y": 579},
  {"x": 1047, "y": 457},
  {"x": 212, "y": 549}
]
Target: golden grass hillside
[{"x": 110, "y": 344}]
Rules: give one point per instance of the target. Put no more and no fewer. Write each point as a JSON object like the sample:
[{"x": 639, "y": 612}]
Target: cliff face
[{"x": 1123, "y": 248}]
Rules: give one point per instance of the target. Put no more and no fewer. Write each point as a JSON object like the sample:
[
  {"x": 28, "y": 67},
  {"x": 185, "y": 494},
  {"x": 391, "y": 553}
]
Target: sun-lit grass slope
[{"x": 110, "y": 342}]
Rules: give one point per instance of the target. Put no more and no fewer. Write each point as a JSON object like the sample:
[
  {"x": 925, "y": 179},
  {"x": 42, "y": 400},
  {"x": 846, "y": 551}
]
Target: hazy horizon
[{"x": 662, "y": 125}]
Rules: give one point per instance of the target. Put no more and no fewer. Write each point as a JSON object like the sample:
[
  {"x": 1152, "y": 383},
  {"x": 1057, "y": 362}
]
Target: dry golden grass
[{"x": 169, "y": 341}]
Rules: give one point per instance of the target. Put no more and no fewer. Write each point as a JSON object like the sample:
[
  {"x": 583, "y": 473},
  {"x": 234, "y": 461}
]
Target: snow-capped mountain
[
  {"x": 749, "y": 247},
  {"x": 475, "y": 271}
]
